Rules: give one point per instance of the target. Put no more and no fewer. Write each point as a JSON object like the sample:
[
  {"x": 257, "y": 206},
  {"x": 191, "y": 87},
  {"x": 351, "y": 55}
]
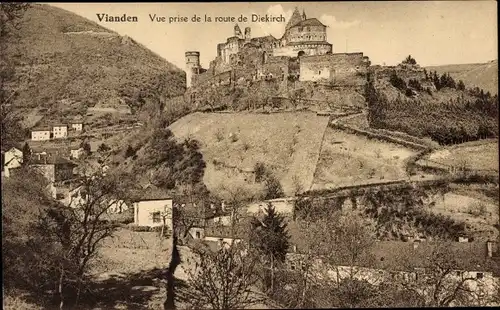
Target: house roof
[
  {"x": 52, "y": 160},
  {"x": 41, "y": 128},
  {"x": 240, "y": 231},
  {"x": 400, "y": 256},
  {"x": 151, "y": 192}
]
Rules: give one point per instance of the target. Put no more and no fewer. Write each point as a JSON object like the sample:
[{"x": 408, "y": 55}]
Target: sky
[{"x": 433, "y": 32}]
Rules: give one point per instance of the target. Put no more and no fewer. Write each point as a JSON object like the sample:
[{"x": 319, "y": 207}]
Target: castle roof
[
  {"x": 309, "y": 22},
  {"x": 296, "y": 18},
  {"x": 265, "y": 38}
]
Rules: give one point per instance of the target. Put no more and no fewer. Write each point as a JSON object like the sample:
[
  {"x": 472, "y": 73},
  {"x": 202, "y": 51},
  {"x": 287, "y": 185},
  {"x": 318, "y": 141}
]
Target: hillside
[
  {"x": 287, "y": 143},
  {"x": 65, "y": 63},
  {"x": 482, "y": 75}
]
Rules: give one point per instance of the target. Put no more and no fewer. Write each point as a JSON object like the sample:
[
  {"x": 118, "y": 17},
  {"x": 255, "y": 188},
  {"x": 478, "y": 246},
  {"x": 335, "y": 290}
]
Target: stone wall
[{"x": 341, "y": 69}]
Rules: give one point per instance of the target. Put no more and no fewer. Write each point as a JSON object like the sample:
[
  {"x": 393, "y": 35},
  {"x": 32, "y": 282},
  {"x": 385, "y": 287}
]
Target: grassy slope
[
  {"x": 68, "y": 72},
  {"x": 288, "y": 143},
  {"x": 348, "y": 159},
  {"x": 466, "y": 153},
  {"x": 484, "y": 75}
]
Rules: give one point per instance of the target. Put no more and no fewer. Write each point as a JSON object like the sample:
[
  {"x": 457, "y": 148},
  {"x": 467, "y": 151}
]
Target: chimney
[{"x": 489, "y": 248}]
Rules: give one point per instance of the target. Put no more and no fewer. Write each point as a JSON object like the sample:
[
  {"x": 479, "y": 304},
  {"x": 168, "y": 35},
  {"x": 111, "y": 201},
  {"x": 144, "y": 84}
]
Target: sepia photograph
[{"x": 249, "y": 155}]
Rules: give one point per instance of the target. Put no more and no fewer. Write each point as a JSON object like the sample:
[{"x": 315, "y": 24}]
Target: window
[
  {"x": 156, "y": 217},
  {"x": 198, "y": 236},
  {"x": 479, "y": 275}
]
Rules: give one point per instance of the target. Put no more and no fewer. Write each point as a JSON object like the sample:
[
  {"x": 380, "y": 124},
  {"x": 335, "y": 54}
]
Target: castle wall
[
  {"x": 307, "y": 48},
  {"x": 341, "y": 69},
  {"x": 277, "y": 66},
  {"x": 307, "y": 33}
]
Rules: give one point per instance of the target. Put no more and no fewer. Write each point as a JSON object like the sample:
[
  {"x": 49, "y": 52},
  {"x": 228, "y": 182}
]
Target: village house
[
  {"x": 77, "y": 125},
  {"x": 13, "y": 159},
  {"x": 407, "y": 261},
  {"x": 60, "y": 131},
  {"x": 41, "y": 133},
  {"x": 77, "y": 153},
  {"x": 153, "y": 212},
  {"x": 54, "y": 168},
  {"x": 39, "y": 152}
]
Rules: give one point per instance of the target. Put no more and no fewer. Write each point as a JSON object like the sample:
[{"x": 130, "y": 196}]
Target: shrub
[
  {"x": 129, "y": 152},
  {"x": 219, "y": 135},
  {"x": 260, "y": 172},
  {"x": 273, "y": 188}
]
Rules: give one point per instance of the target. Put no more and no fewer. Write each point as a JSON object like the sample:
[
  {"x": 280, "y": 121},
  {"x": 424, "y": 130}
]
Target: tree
[
  {"x": 80, "y": 230},
  {"x": 129, "y": 152},
  {"x": 26, "y": 153},
  {"x": 270, "y": 239},
  {"x": 441, "y": 283},
  {"x": 260, "y": 172},
  {"x": 222, "y": 279},
  {"x": 461, "y": 85},
  {"x": 11, "y": 15},
  {"x": 85, "y": 145},
  {"x": 409, "y": 60},
  {"x": 272, "y": 188},
  {"x": 103, "y": 148}
]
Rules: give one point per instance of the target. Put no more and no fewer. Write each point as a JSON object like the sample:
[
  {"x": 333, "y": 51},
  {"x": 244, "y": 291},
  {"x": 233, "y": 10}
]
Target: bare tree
[
  {"x": 441, "y": 283},
  {"x": 81, "y": 228},
  {"x": 223, "y": 279}
]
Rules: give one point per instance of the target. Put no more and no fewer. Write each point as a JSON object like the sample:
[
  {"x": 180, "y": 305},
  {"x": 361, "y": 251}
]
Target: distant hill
[
  {"x": 482, "y": 75},
  {"x": 66, "y": 63}
]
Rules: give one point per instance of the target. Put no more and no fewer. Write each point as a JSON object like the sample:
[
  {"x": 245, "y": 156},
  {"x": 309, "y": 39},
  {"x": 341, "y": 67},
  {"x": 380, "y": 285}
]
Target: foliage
[
  {"x": 27, "y": 260},
  {"x": 26, "y": 153},
  {"x": 130, "y": 152},
  {"x": 174, "y": 163},
  {"x": 269, "y": 237},
  {"x": 80, "y": 230},
  {"x": 459, "y": 120},
  {"x": 403, "y": 209},
  {"x": 86, "y": 147},
  {"x": 222, "y": 279},
  {"x": 441, "y": 283},
  {"x": 272, "y": 188},
  {"x": 398, "y": 82},
  {"x": 11, "y": 15},
  {"x": 409, "y": 60},
  {"x": 260, "y": 171},
  {"x": 103, "y": 148}
]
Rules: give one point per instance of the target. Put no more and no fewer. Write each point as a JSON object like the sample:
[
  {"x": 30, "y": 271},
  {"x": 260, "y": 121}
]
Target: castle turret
[
  {"x": 192, "y": 66},
  {"x": 248, "y": 35},
  {"x": 237, "y": 31}
]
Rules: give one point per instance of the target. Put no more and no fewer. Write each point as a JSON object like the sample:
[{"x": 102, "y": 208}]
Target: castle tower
[
  {"x": 237, "y": 31},
  {"x": 296, "y": 18},
  {"x": 192, "y": 66},
  {"x": 248, "y": 35}
]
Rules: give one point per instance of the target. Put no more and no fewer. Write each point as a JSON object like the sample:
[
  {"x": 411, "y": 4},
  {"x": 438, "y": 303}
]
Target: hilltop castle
[{"x": 301, "y": 54}]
